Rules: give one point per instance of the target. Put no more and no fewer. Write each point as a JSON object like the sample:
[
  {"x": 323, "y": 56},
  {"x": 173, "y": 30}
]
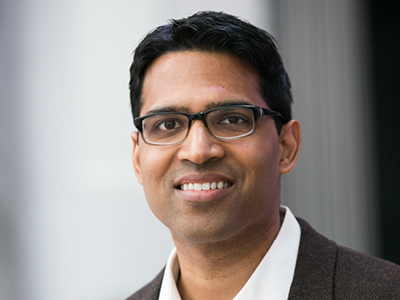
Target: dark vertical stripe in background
[{"x": 385, "y": 58}]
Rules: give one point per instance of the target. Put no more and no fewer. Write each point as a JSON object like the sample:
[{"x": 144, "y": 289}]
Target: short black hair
[{"x": 210, "y": 31}]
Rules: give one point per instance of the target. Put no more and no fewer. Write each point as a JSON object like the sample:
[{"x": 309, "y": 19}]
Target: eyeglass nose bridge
[{"x": 198, "y": 116}]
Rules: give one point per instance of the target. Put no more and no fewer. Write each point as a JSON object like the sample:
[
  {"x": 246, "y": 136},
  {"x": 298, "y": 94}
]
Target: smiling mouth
[{"x": 206, "y": 186}]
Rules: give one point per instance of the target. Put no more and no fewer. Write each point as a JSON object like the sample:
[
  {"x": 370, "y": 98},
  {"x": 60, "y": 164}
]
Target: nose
[{"x": 199, "y": 146}]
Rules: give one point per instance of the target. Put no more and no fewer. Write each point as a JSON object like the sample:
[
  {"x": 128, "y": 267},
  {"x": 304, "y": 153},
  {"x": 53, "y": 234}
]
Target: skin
[{"x": 220, "y": 235}]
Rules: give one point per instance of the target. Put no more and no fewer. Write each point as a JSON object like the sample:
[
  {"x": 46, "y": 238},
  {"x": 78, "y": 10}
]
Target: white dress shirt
[{"x": 272, "y": 278}]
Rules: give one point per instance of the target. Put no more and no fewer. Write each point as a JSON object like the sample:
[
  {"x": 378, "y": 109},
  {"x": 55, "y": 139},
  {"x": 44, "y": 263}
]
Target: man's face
[{"x": 192, "y": 82}]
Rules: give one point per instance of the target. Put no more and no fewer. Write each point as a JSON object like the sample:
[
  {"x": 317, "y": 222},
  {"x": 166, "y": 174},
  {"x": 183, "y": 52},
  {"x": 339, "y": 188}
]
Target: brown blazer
[{"x": 325, "y": 270}]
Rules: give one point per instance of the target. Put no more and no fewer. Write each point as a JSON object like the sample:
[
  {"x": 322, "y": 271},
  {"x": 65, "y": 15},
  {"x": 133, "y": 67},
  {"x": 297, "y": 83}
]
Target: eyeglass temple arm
[
  {"x": 277, "y": 117},
  {"x": 268, "y": 112}
]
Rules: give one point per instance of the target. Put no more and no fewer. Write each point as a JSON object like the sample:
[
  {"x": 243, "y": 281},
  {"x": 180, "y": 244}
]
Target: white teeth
[
  {"x": 197, "y": 186},
  {"x": 204, "y": 186}
]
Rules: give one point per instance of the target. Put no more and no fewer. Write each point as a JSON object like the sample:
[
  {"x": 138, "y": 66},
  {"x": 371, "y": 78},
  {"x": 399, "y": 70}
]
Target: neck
[{"x": 219, "y": 270}]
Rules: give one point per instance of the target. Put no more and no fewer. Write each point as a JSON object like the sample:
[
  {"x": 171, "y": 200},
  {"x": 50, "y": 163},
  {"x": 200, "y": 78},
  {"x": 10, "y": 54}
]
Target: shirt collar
[{"x": 271, "y": 279}]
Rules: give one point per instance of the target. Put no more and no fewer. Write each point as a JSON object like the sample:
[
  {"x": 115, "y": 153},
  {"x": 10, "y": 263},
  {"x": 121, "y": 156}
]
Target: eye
[
  {"x": 232, "y": 120},
  {"x": 169, "y": 124}
]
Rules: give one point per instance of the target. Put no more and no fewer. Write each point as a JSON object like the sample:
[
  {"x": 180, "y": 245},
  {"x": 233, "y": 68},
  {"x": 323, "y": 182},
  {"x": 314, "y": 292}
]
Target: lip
[{"x": 203, "y": 196}]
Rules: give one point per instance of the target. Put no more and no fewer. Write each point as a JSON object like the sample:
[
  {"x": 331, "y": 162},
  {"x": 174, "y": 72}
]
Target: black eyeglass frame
[{"x": 258, "y": 112}]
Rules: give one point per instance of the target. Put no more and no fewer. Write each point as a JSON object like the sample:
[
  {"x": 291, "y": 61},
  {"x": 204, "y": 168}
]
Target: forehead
[{"x": 194, "y": 80}]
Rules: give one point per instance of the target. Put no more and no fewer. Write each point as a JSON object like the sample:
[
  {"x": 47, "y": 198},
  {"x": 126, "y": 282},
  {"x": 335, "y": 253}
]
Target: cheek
[
  {"x": 261, "y": 158},
  {"x": 158, "y": 178},
  {"x": 155, "y": 169},
  {"x": 153, "y": 163},
  {"x": 261, "y": 162}
]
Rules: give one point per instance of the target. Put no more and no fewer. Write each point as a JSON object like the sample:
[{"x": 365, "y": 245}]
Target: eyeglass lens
[{"x": 222, "y": 123}]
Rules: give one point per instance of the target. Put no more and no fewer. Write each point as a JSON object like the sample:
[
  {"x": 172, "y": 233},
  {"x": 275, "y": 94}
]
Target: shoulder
[
  {"x": 150, "y": 291},
  {"x": 342, "y": 272},
  {"x": 359, "y": 275}
]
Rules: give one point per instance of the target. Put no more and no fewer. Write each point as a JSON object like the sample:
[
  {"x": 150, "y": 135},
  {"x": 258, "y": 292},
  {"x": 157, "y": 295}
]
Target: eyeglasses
[{"x": 223, "y": 123}]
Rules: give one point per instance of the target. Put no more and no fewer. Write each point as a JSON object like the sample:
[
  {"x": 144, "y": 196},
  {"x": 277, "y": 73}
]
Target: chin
[{"x": 205, "y": 234}]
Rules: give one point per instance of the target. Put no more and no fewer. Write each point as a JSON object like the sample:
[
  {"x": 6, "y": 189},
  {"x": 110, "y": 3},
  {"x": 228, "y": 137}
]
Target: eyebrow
[
  {"x": 184, "y": 109},
  {"x": 170, "y": 108}
]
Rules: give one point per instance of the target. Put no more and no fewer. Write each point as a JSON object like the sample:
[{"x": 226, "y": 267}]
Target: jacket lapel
[
  {"x": 151, "y": 291},
  {"x": 315, "y": 266}
]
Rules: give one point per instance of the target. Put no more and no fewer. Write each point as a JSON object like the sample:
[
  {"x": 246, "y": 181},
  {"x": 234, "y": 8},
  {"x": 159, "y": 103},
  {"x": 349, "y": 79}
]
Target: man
[{"x": 212, "y": 104}]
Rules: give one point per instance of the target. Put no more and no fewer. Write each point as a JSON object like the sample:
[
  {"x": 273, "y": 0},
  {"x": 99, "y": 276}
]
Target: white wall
[{"x": 74, "y": 223}]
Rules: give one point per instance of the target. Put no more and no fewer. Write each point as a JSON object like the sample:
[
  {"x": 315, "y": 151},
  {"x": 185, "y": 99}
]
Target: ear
[
  {"x": 290, "y": 142},
  {"x": 135, "y": 156}
]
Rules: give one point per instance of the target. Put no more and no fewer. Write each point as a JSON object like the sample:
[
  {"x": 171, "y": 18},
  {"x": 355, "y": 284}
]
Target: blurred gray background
[{"x": 74, "y": 223}]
